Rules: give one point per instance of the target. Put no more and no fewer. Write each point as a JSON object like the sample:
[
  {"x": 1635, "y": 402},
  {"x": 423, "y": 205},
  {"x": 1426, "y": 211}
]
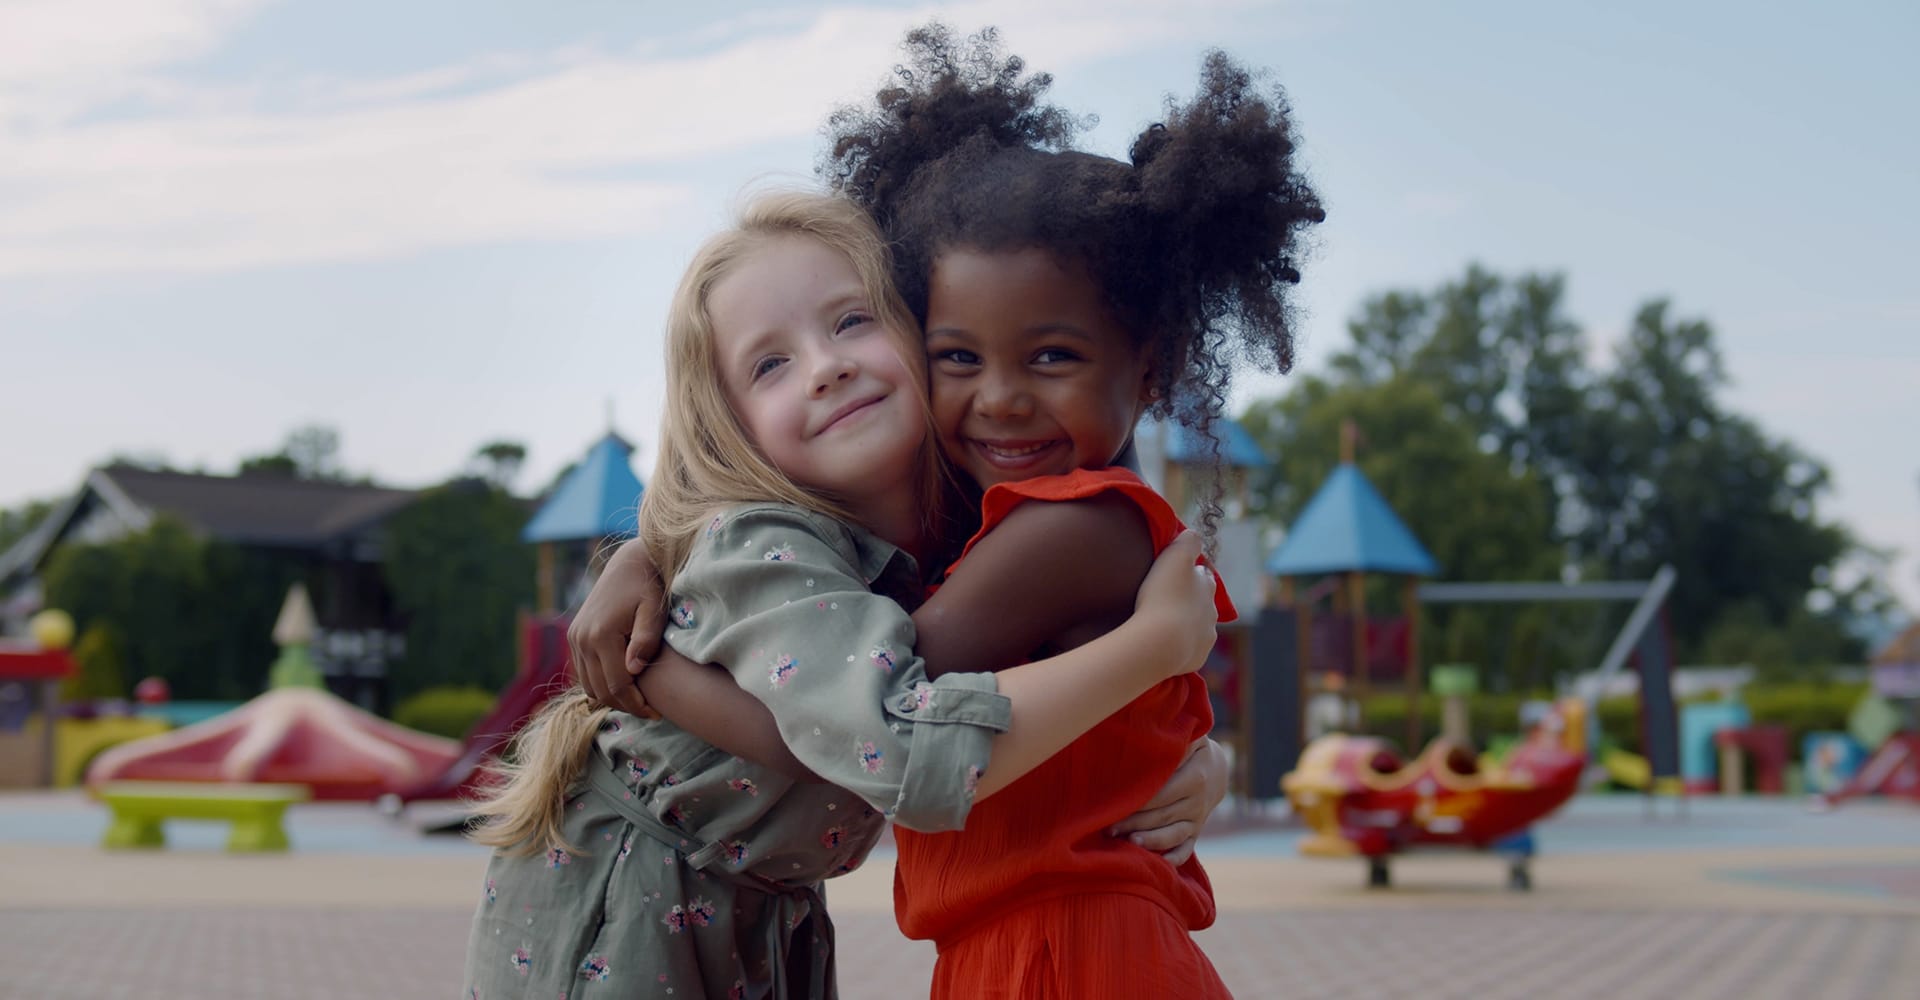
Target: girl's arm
[
  {"x": 1048, "y": 569},
  {"x": 617, "y": 629},
  {"x": 782, "y": 599},
  {"x": 1048, "y": 575}
]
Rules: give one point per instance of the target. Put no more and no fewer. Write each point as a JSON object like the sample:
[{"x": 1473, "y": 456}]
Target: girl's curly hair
[{"x": 1195, "y": 243}]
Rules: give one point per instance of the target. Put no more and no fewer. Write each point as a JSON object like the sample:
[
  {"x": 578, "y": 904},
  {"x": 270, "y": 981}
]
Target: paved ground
[{"x": 1742, "y": 899}]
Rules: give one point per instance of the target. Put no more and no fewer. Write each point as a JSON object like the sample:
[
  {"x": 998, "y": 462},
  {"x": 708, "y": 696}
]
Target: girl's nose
[
  {"x": 832, "y": 370},
  {"x": 1003, "y": 399}
]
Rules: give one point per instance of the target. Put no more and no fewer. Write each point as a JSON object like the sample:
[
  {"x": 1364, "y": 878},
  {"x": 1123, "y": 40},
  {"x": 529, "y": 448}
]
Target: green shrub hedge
[
  {"x": 444, "y": 711},
  {"x": 1803, "y": 707}
]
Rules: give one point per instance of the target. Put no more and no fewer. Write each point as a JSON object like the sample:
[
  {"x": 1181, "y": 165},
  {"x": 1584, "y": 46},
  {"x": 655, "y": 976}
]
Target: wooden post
[
  {"x": 1410, "y": 603},
  {"x": 544, "y": 587}
]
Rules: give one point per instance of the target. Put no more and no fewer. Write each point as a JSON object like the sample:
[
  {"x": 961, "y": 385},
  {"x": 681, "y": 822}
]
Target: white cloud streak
[{"x": 504, "y": 147}]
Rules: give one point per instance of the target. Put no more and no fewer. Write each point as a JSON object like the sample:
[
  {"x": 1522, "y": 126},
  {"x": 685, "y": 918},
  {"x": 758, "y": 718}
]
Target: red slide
[
  {"x": 1894, "y": 769},
  {"x": 545, "y": 670}
]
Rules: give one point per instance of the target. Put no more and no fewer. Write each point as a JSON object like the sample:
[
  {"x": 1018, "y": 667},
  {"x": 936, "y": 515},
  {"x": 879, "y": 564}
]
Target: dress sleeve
[{"x": 775, "y": 595}]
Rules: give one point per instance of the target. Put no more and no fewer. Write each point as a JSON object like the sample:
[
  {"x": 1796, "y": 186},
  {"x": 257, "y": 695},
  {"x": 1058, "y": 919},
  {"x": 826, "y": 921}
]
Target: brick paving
[
  {"x": 341, "y": 954},
  {"x": 1744, "y": 900}
]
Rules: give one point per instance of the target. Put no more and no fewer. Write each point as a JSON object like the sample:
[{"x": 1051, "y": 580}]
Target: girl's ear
[{"x": 1149, "y": 387}]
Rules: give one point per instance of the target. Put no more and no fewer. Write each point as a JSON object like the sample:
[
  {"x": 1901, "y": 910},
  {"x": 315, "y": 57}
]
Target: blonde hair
[{"x": 706, "y": 461}]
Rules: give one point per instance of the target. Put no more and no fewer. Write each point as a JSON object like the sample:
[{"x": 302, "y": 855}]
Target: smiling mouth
[
  {"x": 847, "y": 412},
  {"x": 1014, "y": 455}
]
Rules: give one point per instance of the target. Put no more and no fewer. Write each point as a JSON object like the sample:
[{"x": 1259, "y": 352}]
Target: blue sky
[{"x": 435, "y": 223}]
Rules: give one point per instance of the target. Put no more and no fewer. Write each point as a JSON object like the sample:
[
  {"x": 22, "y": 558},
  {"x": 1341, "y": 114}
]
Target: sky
[{"x": 438, "y": 223}]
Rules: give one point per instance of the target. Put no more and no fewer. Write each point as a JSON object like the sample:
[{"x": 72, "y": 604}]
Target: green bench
[{"x": 255, "y": 810}]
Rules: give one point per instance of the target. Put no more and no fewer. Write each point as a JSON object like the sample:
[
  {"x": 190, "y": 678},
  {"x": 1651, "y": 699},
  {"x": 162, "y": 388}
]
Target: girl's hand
[
  {"x": 617, "y": 630},
  {"x": 1175, "y": 604},
  {"x": 1170, "y": 822}
]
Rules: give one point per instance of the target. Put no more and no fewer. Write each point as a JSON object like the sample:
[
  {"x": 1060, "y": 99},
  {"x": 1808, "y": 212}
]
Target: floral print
[
  {"x": 682, "y": 614},
  {"x": 782, "y": 672},
  {"x": 617, "y": 928}
]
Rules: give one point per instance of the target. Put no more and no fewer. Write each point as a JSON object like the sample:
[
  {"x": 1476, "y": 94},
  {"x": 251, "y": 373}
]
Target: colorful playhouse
[{"x": 1359, "y": 796}]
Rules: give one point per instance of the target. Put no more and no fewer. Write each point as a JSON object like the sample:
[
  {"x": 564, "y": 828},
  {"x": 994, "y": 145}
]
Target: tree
[
  {"x": 195, "y": 612},
  {"x": 18, "y": 523},
  {"x": 278, "y": 464},
  {"x": 460, "y": 574},
  {"x": 1480, "y": 518},
  {"x": 1637, "y": 465},
  {"x": 499, "y": 462},
  {"x": 315, "y": 451}
]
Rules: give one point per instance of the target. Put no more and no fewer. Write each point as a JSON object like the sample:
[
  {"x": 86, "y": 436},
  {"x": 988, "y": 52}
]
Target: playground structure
[
  {"x": 1354, "y": 790},
  {"x": 1361, "y": 800},
  {"x": 296, "y": 733},
  {"x": 39, "y": 664},
  {"x": 1887, "y": 725},
  {"x": 545, "y": 670},
  {"x": 594, "y": 505}
]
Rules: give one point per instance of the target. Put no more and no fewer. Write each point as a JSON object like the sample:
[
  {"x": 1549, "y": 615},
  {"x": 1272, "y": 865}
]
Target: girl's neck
[{"x": 893, "y": 515}]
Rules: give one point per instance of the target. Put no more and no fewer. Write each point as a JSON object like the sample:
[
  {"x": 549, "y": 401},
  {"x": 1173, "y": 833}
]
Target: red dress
[{"x": 1033, "y": 898}]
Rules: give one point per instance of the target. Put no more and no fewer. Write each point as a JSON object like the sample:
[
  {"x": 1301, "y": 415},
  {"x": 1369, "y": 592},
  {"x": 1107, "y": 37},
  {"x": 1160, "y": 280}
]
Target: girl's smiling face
[
  {"x": 816, "y": 380},
  {"x": 1031, "y": 373}
]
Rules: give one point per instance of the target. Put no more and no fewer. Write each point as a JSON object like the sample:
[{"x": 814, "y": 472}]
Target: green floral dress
[{"x": 696, "y": 874}]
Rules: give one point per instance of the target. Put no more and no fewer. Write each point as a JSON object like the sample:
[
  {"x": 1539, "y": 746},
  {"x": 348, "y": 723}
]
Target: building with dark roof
[{"x": 332, "y": 528}]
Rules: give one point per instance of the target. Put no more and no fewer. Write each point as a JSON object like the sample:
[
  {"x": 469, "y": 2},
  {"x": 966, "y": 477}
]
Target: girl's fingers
[{"x": 1148, "y": 820}]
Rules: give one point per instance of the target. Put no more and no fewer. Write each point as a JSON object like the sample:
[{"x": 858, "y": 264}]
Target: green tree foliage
[
  {"x": 1479, "y": 517},
  {"x": 499, "y": 462},
  {"x": 445, "y": 711},
  {"x": 1636, "y": 465},
  {"x": 16, "y": 523},
  {"x": 101, "y": 655},
  {"x": 460, "y": 574},
  {"x": 277, "y": 464},
  {"x": 308, "y": 452},
  {"x": 197, "y": 613}
]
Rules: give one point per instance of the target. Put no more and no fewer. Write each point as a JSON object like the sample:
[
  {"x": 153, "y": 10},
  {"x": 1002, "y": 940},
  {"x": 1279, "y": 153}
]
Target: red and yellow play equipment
[{"x": 1362, "y": 801}]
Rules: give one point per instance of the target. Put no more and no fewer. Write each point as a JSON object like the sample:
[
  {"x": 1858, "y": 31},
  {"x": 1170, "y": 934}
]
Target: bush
[
  {"x": 102, "y": 666},
  {"x": 445, "y": 711},
  {"x": 1803, "y": 707},
  {"x": 1489, "y": 715}
]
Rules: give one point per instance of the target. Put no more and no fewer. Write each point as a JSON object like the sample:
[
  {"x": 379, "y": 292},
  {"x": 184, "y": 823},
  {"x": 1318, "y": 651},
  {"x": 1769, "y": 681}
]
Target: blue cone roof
[
  {"x": 1348, "y": 526},
  {"x": 598, "y": 499}
]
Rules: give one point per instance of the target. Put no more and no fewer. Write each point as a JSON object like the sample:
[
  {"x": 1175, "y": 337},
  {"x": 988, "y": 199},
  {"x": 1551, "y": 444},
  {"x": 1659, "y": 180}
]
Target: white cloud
[
  {"x": 59, "y": 56},
  {"x": 502, "y": 147}
]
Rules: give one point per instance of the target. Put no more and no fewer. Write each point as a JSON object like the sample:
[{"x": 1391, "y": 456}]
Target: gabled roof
[
  {"x": 1346, "y": 527},
  {"x": 276, "y": 511},
  {"x": 255, "y": 510},
  {"x": 600, "y": 498}
]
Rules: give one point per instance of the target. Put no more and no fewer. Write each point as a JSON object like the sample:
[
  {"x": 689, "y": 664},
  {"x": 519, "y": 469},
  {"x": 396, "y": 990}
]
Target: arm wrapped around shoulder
[{"x": 779, "y": 597}]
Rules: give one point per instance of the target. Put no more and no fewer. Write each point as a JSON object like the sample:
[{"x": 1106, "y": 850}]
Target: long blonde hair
[{"x": 706, "y": 461}]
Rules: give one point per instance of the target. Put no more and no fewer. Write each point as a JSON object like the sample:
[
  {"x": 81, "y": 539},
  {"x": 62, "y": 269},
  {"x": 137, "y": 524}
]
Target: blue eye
[
  {"x": 766, "y": 365},
  {"x": 851, "y": 320}
]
